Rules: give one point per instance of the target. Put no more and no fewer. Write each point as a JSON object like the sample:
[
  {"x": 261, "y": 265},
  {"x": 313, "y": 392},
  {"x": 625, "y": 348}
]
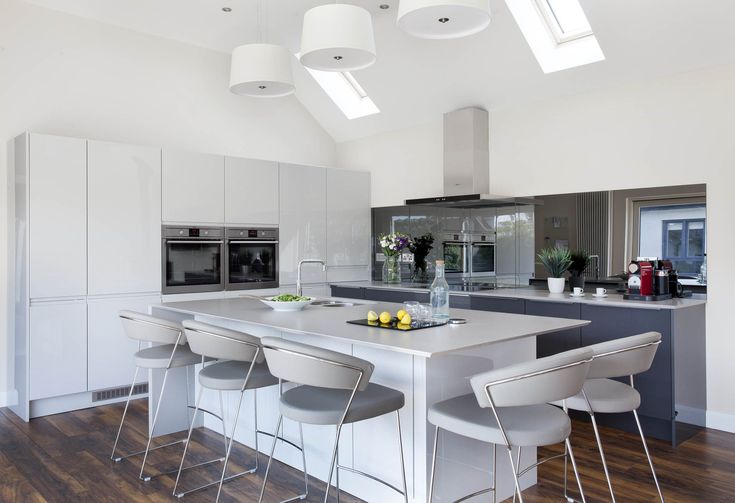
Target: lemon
[
  {"x": 372, "y": 316},
  {"x": 403, "y": 326},
  {"x": 400, "y": 314},
  {"x": 405, "y": 319},
  {"x": 385, "y": 317}
]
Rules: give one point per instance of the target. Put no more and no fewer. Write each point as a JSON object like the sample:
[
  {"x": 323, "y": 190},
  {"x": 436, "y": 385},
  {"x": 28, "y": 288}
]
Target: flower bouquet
[{"x": 392, "y": 245}]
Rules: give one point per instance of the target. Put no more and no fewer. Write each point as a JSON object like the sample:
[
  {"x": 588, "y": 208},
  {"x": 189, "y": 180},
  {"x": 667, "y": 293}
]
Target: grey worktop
[
  {"x": 482, "y": 327},
  {"x": 542, "y": 294}
]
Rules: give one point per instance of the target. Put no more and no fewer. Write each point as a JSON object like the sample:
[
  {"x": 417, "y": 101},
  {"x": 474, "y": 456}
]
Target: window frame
[
  {"x": 684, "y": 239},
  {"x": 557, "y": 30}
]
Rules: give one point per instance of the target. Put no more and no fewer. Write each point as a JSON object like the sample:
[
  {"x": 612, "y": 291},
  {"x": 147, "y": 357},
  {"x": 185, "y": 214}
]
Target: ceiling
[{"x": 414, "y": 81}]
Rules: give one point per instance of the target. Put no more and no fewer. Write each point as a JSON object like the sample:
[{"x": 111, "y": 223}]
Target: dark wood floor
[{"x": 65, "y": 458}]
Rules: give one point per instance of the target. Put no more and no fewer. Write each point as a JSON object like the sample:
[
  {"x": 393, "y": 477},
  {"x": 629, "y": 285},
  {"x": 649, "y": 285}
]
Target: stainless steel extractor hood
[{"x": 467, "y": 164}]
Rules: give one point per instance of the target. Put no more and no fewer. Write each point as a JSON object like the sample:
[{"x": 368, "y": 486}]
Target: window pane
[
  {"x": 673, "y": 239},
  {"x": 696, "y": 239},
  {"x": 569, "y": 16}
]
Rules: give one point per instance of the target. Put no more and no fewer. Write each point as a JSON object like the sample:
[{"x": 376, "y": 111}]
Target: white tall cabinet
[
  {"x": 303, "y": 222},
  {"x": 348, "y": 225},
  {"x": 251, "y": 192},
  {"x": 193, "y": 187}
]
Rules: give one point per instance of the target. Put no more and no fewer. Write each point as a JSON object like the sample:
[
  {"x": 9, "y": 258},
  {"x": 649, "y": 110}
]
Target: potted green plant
[
  {"x": 580, "y": 261},
  {"x": 420, "y": 247},
  {"x": 556, "y": 261}
]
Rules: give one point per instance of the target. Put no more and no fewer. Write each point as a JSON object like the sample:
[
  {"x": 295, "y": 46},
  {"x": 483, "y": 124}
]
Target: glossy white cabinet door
[
  {"x": 348, "y": 217},
  {"x": 251, "y": 192},
  {"x": 58, "y": 216},
  {"x": 193, "y": 187},
  {"x": 124, "y": 198},
  {"x": 58, "y": 348},
  {"x": 111, "y": 361},
  {"x": 302, "y": 228}
]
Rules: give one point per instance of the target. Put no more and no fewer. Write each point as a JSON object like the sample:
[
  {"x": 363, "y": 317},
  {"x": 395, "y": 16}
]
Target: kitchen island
[
  {"x": 427, "y": 365},
  {"x": 673, "y": 391}
]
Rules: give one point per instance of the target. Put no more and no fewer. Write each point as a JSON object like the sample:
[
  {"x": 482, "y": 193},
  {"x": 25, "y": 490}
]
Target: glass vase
[{"x": 391, "y": 270}]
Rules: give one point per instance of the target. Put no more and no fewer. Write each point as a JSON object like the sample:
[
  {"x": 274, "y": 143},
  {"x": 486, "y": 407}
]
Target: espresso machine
[{"x": 649, "y": 279}]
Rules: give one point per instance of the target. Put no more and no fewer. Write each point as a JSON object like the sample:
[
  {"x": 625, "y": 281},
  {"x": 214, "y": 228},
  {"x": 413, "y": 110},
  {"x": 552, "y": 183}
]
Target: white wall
[
  {"x": 672, "y": 131},
  {"x": 65, "y": 75}
]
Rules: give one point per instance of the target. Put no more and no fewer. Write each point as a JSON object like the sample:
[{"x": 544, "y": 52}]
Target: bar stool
[
  {"x": 624, "y": 357},
  {"x": 335, "y": 389},
  {"x": 517, "y": 396},
  {"x": 171, "y": 352},
  {"x": 241, "y": 367}
]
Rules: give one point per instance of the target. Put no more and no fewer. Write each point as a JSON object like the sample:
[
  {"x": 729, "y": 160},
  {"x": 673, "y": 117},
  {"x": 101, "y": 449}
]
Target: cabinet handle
[
  {"x": 194, "y": 242},
  {"x": 252, "y": 242}
]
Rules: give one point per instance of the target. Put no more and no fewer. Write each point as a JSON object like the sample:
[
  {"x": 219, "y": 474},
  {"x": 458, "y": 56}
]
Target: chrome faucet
[
  {"x": 597, "y": 265},
  {"x": 298, "y": 270}
]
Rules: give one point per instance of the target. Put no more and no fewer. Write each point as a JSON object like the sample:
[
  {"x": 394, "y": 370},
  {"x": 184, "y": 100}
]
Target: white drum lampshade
[
  {"x": 261, "y": 70},
  {"x": 337, "y": 38},
  {"x": 443, "y": 18}
]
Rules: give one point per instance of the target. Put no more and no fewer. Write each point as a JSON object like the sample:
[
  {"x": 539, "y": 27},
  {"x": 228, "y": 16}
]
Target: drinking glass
[
  {"x": 412, "y": 308},
  {"x": 425, "y": 312}
]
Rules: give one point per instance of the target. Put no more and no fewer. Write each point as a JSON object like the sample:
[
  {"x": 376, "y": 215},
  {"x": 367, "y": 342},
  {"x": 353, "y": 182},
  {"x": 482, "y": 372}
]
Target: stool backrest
[
  {"x": 624, "y": 357},
  {"x": 314, "y": 366},
  {"x": 221, "y": 343},
  {"x": 534, "y": 382},
  {"x": 143, "y": 327}
]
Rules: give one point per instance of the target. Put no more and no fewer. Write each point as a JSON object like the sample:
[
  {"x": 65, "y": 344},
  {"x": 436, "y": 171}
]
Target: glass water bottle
[{"x": 440, "y": 294}]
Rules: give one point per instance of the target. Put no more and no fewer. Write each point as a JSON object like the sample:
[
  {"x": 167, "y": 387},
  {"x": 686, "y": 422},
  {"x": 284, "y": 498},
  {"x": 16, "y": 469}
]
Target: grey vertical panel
[{"x": 593, "y": 228}]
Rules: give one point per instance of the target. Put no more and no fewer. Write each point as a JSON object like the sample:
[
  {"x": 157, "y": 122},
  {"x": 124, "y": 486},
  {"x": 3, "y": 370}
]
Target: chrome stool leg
[
  {"x": 602, "y": 457},
  {"x": 648, "y": 455},
  {"x": 229, "y": 448},
  {"x": 403, "y": 464},
  {"x": 515, "y": 474},
  {"x": 153, "y": 427},
  {"x": 574, "y": 467},
  {"x": 122, "y": 420},
  {"x": 335, "y": 453},
  {"x": 270, "y": 459},
  {"x": 188, "y": 438},
  {"x": 433, "y": 464}
]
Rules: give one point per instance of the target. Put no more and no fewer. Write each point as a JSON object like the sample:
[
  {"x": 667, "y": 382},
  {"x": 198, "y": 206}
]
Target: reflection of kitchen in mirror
[{"x": 619, "y": 226}]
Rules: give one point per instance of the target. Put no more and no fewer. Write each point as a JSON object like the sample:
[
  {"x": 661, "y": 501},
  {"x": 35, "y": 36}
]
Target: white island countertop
[
  {"x": 482, "y": 327},
  {"x": 542, "y": 294}
]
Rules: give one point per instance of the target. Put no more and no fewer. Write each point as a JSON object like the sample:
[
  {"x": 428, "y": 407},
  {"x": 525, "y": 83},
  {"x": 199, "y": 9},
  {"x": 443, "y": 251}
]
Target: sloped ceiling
[{"x": 415, "y": 81}]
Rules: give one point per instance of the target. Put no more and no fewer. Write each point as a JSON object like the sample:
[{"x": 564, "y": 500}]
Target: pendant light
[
  {"x": 441, "y": 19},
  {"x": 261, "y": 70},
  {"x": 337, "y": 38}
]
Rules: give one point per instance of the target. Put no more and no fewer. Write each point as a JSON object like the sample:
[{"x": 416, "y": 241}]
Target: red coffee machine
[{"x": 640, "y": 277}]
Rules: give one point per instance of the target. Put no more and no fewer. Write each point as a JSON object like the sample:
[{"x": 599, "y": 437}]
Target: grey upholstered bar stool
[
  {"x": 624, "y": 357},
  {"x": 517, "y": 397},
  {"x": 335, "y": 389},
  {"x": 241, "y": 367},
  {"x": 171, "y": 351}
]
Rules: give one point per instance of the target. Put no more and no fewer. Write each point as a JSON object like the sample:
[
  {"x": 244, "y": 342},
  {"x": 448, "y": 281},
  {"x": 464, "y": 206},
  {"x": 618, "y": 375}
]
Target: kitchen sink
[{"x": 333, "y": 303}]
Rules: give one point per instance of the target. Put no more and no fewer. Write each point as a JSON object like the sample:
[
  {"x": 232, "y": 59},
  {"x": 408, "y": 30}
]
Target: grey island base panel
[{"x": 673, "y": 391}]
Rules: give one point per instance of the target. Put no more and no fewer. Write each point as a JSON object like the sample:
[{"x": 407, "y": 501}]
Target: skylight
[
  {"x": 346, "y": 93},
  {"x": 558, "y": 33}
]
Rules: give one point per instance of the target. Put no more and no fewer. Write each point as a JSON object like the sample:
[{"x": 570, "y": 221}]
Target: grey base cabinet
[{"x": 676, "y": 379}]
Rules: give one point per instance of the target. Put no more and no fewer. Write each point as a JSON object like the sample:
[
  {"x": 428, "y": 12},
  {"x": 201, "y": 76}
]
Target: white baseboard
[
  {"x": 721, "y": 421},
  {"x": 8, "y": 398},
  {"x": 691, "y": 415}
]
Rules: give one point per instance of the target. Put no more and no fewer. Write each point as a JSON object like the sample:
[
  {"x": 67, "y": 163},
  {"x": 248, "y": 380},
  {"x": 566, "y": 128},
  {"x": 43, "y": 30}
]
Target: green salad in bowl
[{"x": 287, "y": 302}]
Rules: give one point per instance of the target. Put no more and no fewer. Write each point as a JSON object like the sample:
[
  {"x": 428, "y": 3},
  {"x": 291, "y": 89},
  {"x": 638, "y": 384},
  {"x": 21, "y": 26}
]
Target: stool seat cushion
[
  {"x": 230, "y": 375},
  {"x": 528, "y": 425},
  {"x": 606, "y": 396},
  {"x": 313, "y": 405},
  {"x": 157, "y": 357}
]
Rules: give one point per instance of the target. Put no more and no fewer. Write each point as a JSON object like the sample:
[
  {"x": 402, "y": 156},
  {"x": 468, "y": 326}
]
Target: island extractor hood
[{"x": 467, "y": 164}]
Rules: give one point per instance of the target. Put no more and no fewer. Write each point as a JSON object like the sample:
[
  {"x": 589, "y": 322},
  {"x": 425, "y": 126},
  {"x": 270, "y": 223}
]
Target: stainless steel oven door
[
  {"x": 482, "y": 259},
  {"x": 192, "y": 265},
  {"x": 456, "y": 259},
  {"x": 251, "y": 264}
]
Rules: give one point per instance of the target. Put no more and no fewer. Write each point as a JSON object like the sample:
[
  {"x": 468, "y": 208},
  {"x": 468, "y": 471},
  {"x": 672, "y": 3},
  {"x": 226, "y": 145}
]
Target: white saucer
[
  {"x": 574, "y": 295},
  {"x": 599, "y": 296}
]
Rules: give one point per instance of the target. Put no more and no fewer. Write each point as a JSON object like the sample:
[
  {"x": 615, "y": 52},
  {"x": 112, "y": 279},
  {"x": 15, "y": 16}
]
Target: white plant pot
[{"x": 556, "y": 285}]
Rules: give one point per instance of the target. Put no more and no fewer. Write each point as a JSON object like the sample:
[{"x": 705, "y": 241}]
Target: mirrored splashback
[{"x": 615, "y": 226}]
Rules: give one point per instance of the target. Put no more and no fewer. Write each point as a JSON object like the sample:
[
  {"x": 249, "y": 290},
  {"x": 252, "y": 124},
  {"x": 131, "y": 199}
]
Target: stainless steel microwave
[{"x": 469, "y": 255}]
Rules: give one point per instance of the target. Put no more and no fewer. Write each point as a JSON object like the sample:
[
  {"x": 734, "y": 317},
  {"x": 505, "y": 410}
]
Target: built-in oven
[
  {"x": 468, "y": 255},
  {"x": 192, "y": 259},
  {"x": 252, "y": 258}
]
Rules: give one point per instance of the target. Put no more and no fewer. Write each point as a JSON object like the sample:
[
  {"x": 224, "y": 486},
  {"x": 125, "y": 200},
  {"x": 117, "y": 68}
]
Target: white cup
[
  {"x": 600, "y": 292},
  {"x": 578, "y": 290}
]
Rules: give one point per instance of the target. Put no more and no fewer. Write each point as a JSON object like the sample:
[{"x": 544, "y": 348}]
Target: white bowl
[{"x": 294, "y": 305}]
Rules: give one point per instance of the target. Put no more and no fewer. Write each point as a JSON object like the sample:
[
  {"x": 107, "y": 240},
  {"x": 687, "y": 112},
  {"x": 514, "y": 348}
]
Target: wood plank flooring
[{"x": 65, "y": 458}]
